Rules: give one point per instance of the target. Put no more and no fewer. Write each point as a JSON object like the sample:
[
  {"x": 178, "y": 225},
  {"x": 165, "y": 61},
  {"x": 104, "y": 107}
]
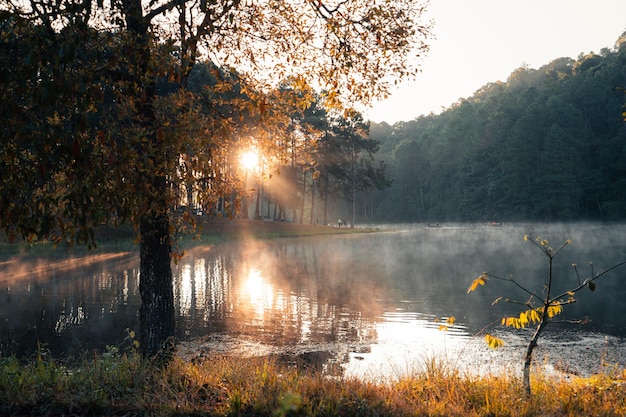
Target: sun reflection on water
[
  {"x": 185, "y": 290},
  {"x": 259, "y": 292},
  {"x": 199, "y": 284},
  {"x": 406, "y": 342}
]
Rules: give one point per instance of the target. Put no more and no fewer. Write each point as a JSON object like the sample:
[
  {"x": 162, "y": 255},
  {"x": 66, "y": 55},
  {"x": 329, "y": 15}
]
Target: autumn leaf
[
  {"x": 478, "y": 281},
  {"x": 493, "y": 341},
  {"x": 449, "y": 322},
  {"x": 554, "y": 310}
]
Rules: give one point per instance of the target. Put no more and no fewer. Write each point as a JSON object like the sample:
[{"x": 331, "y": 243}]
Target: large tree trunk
[{"x": 156, "y": 316}]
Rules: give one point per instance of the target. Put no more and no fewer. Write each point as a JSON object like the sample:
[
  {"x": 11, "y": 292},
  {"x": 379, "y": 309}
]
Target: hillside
[{"x": 548, "y": 144}]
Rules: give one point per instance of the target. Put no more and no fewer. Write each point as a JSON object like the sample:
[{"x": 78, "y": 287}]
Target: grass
[
  {"x": 219, "y": 230},
  {"x": 115, "y": 384},
  {"x": 209, "y": 232}
]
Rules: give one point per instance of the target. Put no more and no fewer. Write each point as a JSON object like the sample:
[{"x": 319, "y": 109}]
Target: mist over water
[{"x": 362, "y": 304}]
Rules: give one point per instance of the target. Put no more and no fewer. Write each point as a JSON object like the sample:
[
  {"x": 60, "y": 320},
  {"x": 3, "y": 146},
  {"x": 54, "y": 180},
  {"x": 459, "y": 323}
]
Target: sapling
[{"x": 541, "y": 307}]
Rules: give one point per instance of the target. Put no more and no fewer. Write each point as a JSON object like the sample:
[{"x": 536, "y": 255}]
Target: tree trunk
[
  {"x": 303, "y": 199},
  {"x": 529, "y": 357},
  {"x": 353, "y": 156},
  {"x": 313, "y": 219},
  {"x": 156, "y": 316},
  {"x": 353, "y": 208},
  {"x": 325, "y": 215}
]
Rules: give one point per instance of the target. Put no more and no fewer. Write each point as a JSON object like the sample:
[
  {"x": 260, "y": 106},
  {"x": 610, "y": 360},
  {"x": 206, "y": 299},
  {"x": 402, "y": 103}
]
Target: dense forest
[{"x": 549, "y": 144}]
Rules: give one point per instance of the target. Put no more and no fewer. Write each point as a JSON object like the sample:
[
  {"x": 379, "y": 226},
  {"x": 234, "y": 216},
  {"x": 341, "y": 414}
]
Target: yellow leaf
[
  {"x": 478, "y": 281},
  {"x": 451, "y": 320},
  {"x": 534, "y": 316},
  {"x": 523, "y": 318},
  {"x": 513, "y": 322},
  {"x": 493, "y": 341},
  {"x": 554, "y": 310}
]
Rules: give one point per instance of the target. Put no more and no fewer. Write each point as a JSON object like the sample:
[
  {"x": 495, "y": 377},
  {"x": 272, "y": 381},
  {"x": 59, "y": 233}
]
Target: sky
[{"x": 483, "y": 41}]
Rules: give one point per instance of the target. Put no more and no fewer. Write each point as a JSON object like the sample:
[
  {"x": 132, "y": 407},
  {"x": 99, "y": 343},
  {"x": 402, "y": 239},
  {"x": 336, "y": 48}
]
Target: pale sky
[{"x": 482, "y": 41}]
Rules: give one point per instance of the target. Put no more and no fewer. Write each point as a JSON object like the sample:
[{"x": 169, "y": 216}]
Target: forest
[{"x": 549, "y": 144}]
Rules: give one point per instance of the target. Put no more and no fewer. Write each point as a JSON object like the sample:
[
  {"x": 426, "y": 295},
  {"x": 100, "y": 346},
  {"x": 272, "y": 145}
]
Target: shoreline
[
  {"x": 209, "y": 231},
  {"x": 263, "y": 229}
]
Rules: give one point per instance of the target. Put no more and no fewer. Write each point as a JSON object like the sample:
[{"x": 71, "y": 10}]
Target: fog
[{"x": 355, "y": 303}]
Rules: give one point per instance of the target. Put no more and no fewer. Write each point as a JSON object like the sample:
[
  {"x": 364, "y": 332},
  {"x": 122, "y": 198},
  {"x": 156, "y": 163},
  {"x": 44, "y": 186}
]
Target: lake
[{"x": 363, "y": 304}]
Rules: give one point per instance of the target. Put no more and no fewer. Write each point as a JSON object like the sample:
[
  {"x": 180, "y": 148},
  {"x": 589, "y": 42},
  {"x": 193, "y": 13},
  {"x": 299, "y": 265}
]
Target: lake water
[{"x": 363, "y": 304}]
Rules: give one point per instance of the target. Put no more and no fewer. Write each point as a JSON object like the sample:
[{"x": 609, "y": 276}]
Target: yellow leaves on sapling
[
  {"x": 554, "y": 310},
  {"x": 493, "y": 342},
  {"x": 481, "y": 280},
  {"x": 531, "y": 316}
]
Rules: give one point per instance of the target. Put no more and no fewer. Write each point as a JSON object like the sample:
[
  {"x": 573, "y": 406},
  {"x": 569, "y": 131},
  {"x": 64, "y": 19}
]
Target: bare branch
[{"x": 588, "y": 280}]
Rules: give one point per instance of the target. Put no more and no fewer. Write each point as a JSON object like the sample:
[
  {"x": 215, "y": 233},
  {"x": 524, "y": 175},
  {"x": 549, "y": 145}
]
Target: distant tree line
[{"x": 548, "y": 144}]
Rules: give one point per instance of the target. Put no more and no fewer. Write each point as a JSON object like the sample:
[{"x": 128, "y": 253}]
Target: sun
[{"x": 249, "y": 160}]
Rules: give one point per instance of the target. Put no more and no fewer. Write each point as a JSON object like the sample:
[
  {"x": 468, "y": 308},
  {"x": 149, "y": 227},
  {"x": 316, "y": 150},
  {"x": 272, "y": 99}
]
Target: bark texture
[{"x": 156, "y": 335}]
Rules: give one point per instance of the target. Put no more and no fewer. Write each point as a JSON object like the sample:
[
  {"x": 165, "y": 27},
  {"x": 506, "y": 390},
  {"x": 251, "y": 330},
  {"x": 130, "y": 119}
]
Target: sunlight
[
  {"x": 249, "y": 160},
  {"x": 200, "y": 280},
  {"x": 260, "y": 293},
  {"x": 185, "y": 290}
]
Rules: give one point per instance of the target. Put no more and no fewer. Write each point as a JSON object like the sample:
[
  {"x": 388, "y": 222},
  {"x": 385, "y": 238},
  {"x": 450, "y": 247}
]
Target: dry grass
[{"x": 122, "y": 385}]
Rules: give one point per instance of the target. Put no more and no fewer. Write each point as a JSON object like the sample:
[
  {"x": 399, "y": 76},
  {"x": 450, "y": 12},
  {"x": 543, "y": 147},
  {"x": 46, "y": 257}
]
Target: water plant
[{"x": 541, "y": 307}]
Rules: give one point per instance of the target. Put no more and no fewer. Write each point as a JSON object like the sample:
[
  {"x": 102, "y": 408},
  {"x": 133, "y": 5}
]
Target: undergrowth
[{"x": 117, "y": 384}]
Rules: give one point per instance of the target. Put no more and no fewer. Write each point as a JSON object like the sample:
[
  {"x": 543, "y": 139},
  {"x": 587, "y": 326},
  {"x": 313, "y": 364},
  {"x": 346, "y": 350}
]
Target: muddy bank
[{"x": 563, "y": 354}]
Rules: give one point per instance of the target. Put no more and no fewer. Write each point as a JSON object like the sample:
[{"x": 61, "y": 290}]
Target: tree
[
  {"x": 356, "y": 150},
  {"x": 541, "y": 307},
  {"x": 108, "y": 149}
]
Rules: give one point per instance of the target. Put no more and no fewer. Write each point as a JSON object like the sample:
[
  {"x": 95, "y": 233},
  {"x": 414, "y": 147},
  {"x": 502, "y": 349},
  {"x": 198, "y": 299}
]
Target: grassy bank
[
  {"x": 223, "y": 230},
  {"x": 121, "y": 385},
  {"x": 209, "y": 231}
]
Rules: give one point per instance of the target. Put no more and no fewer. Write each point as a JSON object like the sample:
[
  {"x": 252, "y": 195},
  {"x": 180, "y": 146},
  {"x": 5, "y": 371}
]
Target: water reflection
[
  {"x": 276, "y": 293},
  {"x": 350, "y": 304}
]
